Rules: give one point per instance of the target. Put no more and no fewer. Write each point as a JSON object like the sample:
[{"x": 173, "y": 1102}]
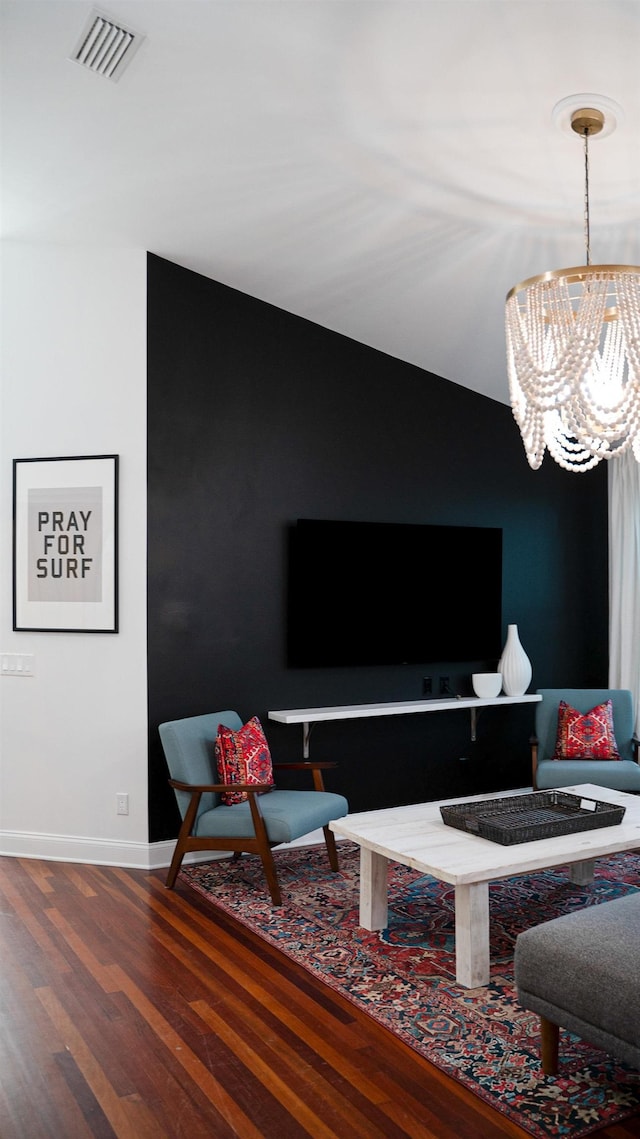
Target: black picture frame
[{"x": 65, "y": 544}]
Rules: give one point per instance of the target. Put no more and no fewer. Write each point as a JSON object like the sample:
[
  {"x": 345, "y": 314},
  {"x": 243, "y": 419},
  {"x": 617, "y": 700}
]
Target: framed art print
[{"x": 65, "y": 544}]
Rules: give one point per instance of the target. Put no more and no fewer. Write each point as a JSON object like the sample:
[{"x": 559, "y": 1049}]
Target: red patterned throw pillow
[
  {"x": 242, "y": 757},
  {"x": 586, "y": 736}
]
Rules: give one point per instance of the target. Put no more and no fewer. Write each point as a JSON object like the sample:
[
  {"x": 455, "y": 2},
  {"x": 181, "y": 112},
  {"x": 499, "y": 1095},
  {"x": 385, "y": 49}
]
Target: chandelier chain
[{"x": 587, "y": 224}]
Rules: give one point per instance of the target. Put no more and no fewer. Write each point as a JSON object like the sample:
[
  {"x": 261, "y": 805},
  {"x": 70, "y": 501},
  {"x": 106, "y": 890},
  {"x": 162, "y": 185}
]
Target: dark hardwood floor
[{"x": 134, "y": 1012}]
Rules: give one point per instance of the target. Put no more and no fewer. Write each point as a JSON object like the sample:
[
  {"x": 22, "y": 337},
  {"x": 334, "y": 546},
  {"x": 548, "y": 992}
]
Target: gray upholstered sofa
[{"x": 580, "y": 972}]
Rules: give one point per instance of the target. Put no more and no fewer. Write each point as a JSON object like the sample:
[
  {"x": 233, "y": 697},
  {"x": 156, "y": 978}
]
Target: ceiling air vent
[{"x": 105, "y": 46}]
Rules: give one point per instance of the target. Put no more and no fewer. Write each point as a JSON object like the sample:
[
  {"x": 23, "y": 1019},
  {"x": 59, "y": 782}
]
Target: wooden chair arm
[
  {"x": 305, "y": 765},
  {"x": 221, "y": 788},
  {"x": 316, "y": 767}
]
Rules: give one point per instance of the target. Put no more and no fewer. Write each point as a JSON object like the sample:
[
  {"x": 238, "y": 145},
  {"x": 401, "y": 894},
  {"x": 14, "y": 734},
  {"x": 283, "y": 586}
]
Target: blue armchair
[
  {"x": 255, "y": 826},
  {"x": 621, "y": 775}
]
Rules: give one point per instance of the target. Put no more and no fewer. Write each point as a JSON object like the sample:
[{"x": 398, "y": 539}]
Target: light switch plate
[{"x": 17, "y": 664}]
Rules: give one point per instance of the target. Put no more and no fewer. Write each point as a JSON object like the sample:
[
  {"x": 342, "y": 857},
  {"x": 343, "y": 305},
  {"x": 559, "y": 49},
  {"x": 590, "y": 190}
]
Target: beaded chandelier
[{"x": 573, "y": 353}]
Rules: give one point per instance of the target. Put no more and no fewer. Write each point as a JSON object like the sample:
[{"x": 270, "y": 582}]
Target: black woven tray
[{"x": 525, "y": 818}]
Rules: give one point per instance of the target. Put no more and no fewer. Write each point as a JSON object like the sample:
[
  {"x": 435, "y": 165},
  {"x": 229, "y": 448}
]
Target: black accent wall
[{"x": 256, "y": 418}]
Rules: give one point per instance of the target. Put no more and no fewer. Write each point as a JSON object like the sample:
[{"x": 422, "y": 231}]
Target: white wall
[{"x": 74, "y": 383}]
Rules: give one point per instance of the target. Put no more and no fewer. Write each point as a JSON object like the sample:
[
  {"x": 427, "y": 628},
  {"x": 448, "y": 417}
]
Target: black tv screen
[{"x": 377, "y": 593}]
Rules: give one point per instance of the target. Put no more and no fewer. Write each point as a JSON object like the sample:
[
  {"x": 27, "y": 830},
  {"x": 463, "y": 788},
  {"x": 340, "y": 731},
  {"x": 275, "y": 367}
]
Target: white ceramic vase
[{"x": 514, "y": 664}]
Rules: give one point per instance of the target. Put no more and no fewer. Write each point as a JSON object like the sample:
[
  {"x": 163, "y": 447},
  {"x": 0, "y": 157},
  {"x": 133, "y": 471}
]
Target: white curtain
[{"x": 624, "y": 577}]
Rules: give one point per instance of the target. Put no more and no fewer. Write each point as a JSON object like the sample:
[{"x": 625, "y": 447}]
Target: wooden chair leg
[
  {"x": 271, "y": 874},
  {"x": 549, "y": 1037},
  {"x": 330, "y": 840},
  {"x": 264, "y": 850},
  {"x": 176, "y": 863},
  {"x": 534, "y": 762},
  {"x": 182, "y": 846}
]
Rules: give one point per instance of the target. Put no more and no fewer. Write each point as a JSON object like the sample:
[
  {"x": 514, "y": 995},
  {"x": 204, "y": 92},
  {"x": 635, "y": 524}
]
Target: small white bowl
[{"x": 486, "y": 685}]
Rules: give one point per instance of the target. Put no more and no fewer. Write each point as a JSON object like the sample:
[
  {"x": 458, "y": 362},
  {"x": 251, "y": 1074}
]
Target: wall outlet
[
  {"x": 122, "y": 803},
  {"x": 427, "y": 686},
  {"x": 444, "y": 685}
]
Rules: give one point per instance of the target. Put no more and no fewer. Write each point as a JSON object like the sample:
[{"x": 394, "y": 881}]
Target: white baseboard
[
  {"x": 72, "y": 848},
  {"x": 108, "y": 852}
]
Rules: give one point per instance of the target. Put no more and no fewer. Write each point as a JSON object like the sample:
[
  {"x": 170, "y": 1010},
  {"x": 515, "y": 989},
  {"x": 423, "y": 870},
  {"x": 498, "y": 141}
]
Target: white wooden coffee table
[{"x": 416, "y": 836}]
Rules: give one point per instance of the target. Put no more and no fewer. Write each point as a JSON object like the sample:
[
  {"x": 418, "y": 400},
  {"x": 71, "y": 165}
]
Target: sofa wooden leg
[{"x": 549, "y": 1036}]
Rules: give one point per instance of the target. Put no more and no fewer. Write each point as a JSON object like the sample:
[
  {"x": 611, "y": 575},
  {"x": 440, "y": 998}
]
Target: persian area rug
[{"x": 404, "y": 976}]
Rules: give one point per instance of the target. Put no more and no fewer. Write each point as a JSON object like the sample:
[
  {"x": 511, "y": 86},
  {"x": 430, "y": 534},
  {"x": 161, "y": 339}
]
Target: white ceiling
[{"x": 385, "y": 169}]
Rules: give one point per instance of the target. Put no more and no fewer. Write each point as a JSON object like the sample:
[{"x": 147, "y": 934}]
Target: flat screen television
[{"x": 378, "y": 593}]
